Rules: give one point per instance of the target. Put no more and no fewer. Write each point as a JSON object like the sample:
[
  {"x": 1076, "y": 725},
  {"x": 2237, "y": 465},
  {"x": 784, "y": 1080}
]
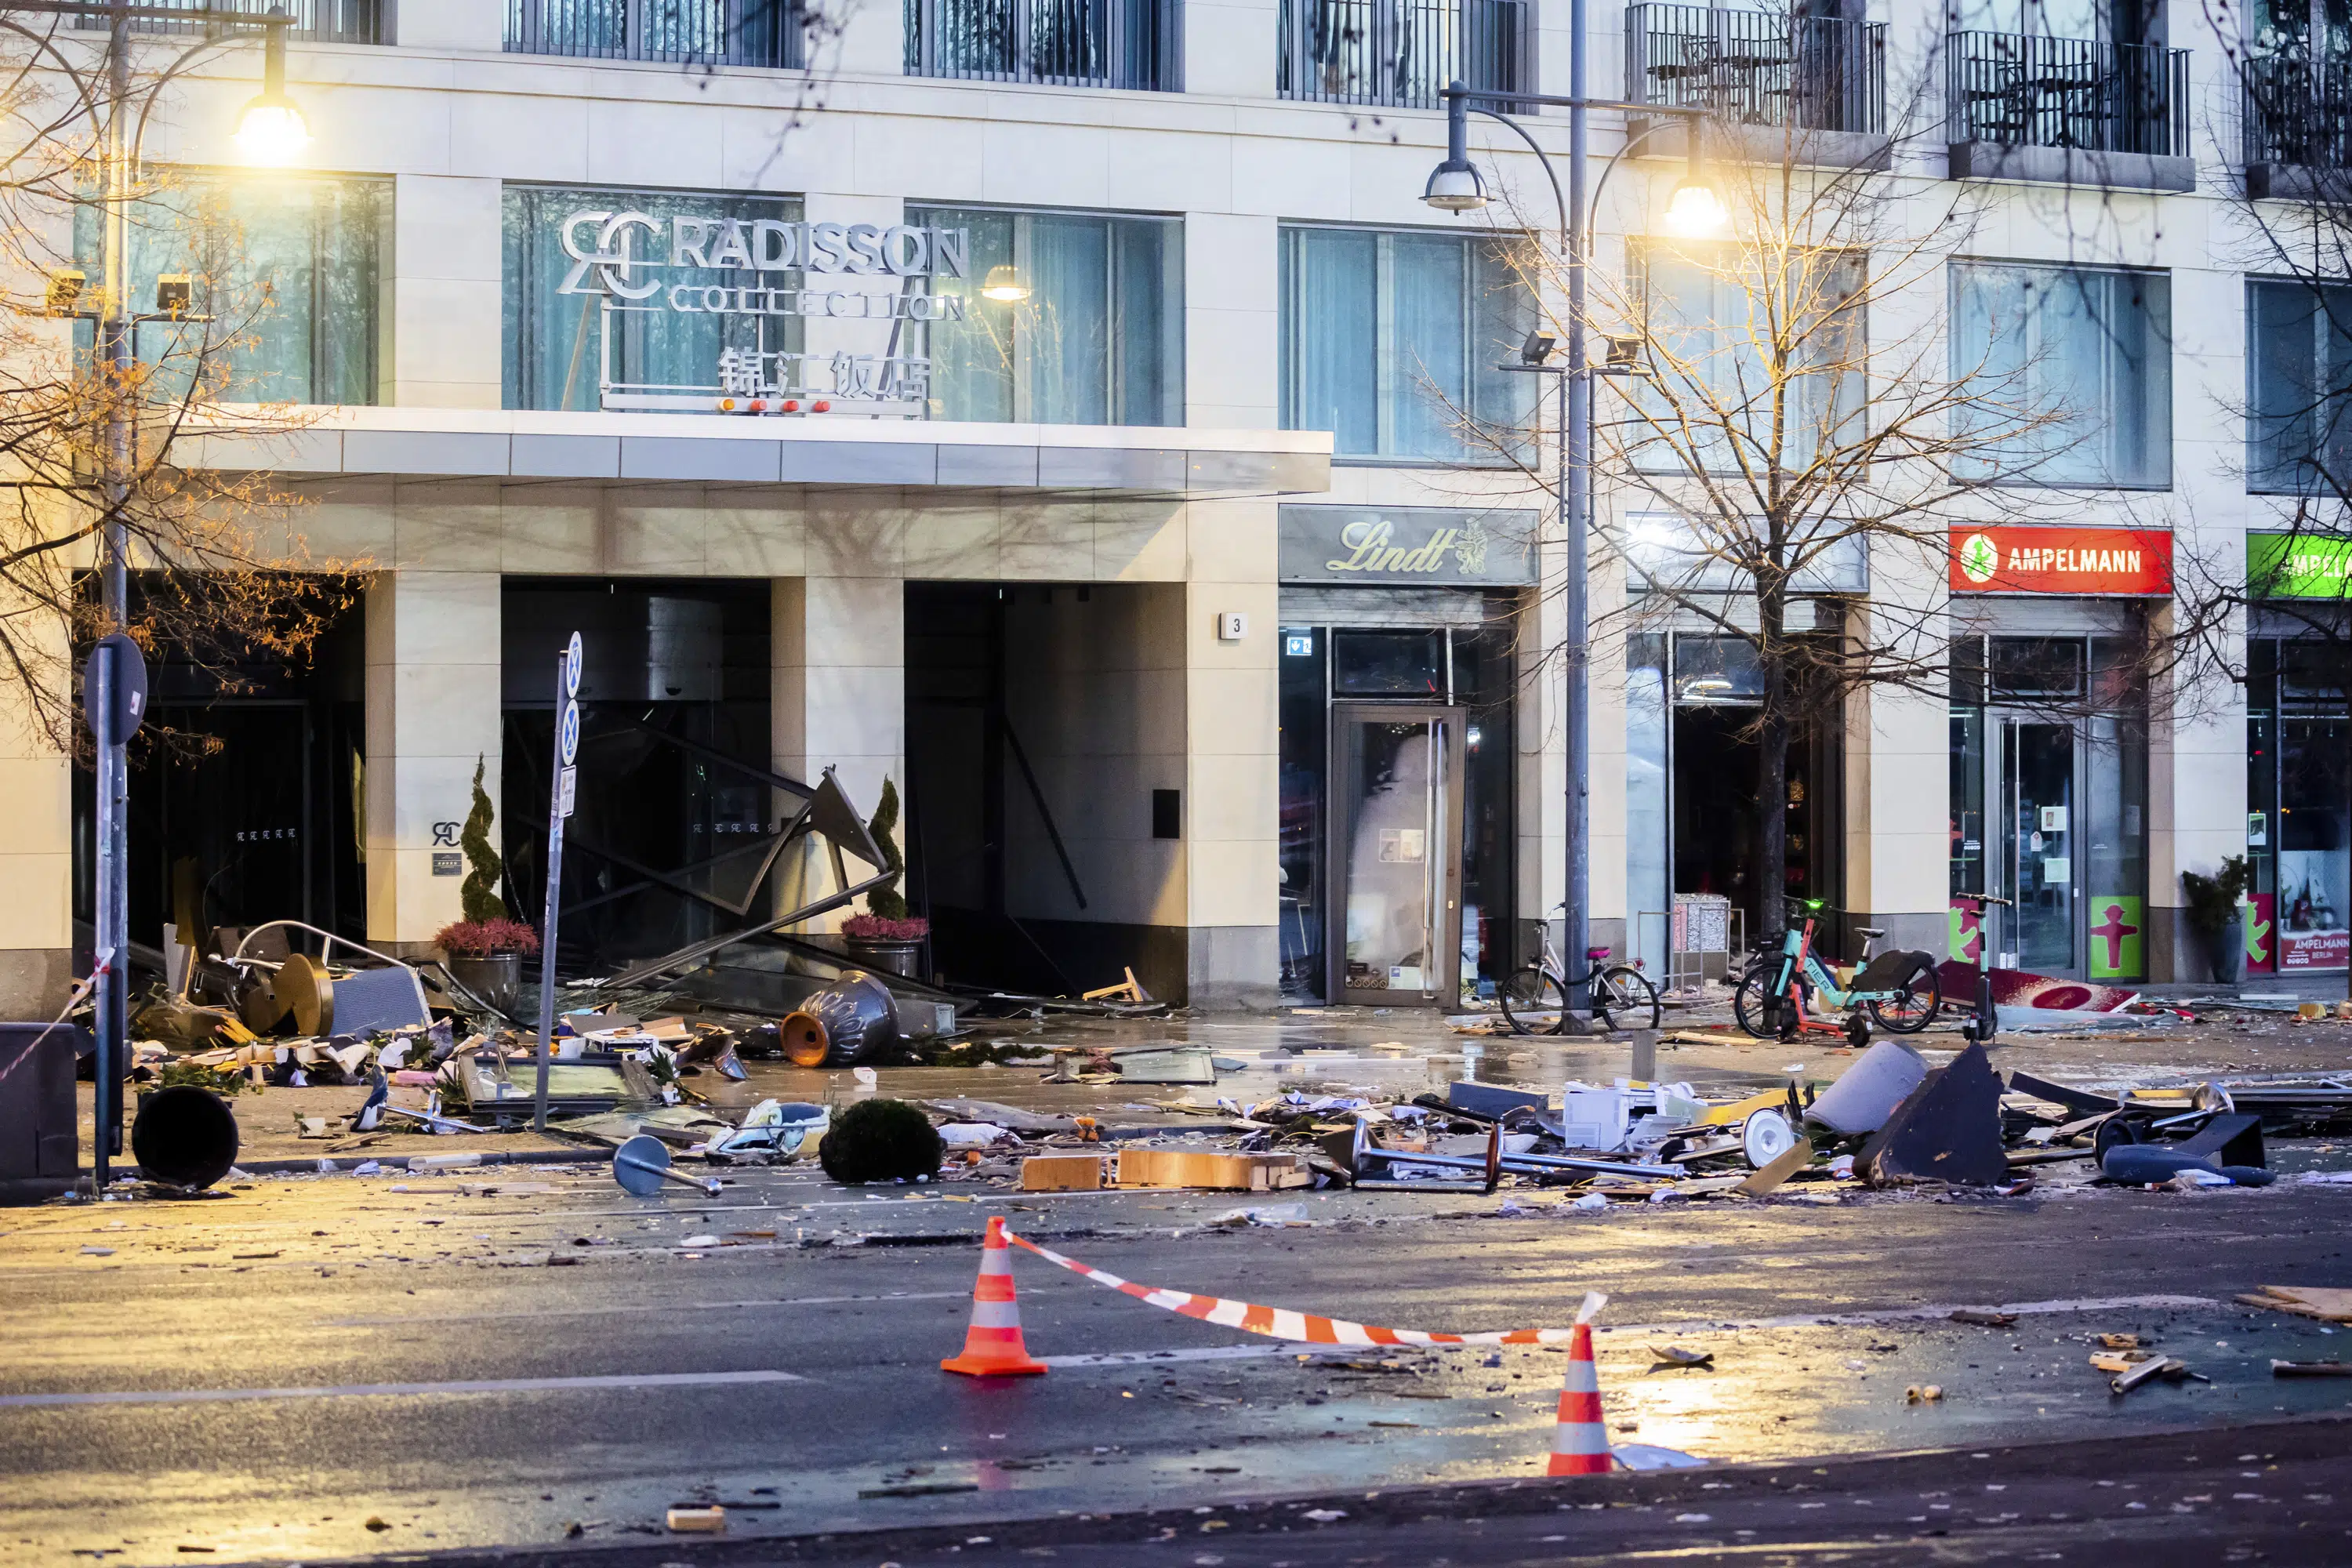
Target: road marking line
[
  {"x": 361, "y": 1390},
  {"x": 639, "y": 1307}
]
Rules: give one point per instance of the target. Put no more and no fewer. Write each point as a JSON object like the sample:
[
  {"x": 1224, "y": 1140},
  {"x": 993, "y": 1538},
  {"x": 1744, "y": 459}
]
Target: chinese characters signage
[
  {"x": 2005, "y": 559},
  {"x": 638, "y": 264}
]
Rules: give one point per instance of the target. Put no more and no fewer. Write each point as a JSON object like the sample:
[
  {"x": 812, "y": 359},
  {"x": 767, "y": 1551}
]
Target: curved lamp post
[{"x": 1695, "y": 209}]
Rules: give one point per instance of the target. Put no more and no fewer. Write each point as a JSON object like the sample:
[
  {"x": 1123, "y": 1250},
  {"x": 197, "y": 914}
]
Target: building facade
[{"x": 1086, "y": 428}]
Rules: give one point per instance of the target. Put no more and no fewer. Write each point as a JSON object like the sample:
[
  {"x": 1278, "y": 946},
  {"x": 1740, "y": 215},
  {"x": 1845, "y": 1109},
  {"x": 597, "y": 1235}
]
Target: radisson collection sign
[{"x": 632, "y": 261}]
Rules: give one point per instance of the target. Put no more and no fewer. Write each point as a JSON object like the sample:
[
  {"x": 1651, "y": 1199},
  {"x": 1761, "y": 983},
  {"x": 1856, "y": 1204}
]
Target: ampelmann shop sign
[
  {"x": 632, "y": 259},
  {"x": 1407, "y": 546}
]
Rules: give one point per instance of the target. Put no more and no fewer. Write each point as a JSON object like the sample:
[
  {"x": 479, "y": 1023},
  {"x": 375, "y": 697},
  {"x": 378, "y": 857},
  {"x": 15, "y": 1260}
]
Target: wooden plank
[
  {"x": 1062, "y": 1174},
  {"x": 1212, "y": 1170}
]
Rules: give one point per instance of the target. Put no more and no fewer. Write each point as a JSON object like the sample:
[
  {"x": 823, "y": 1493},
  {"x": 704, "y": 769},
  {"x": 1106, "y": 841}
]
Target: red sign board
[{"x": 2003, "y": 559}]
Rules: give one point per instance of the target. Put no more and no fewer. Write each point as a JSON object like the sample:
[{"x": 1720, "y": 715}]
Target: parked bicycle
[
  {"x": 1899, "y": 991},
  {"x": 1622, "y": 996}
]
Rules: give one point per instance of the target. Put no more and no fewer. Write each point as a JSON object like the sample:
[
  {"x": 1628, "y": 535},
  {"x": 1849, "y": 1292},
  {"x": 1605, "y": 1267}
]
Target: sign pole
[
  {"x": 561, "y": 795},
  {"x": 99, "y": 695}
]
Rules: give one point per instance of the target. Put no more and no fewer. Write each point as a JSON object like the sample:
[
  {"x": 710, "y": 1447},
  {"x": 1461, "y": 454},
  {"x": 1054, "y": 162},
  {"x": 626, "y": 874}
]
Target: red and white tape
[{"x": 1280, "y": 1322}]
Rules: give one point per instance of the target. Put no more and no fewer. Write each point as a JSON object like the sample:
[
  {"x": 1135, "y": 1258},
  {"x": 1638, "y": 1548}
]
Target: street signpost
[
  {"x": 559, "y": 807},
  {"x": 114, "y": 696}
]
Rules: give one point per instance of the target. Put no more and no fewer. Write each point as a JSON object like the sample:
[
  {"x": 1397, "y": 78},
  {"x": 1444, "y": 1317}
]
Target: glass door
[
  {"x": 2037, "y": 851},
  {"x": 1395, "y": 932}
]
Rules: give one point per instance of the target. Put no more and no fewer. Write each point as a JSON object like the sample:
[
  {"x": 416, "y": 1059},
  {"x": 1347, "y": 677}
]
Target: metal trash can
[{"x": 40, "y": 1147}]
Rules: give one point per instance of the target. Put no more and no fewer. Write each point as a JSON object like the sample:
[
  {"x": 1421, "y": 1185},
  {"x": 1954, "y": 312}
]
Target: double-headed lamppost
[
  {"x": 1695, "y": 211},
  {"x": 270, "y": 131}
]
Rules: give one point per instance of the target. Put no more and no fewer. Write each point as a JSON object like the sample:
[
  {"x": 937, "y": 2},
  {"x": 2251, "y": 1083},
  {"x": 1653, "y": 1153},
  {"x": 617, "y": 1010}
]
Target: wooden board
[
  {"x": 1062, "y": 1174},
  {"x": 1212, "y": 1170},
  {"x": 1707, "y": 1037}
]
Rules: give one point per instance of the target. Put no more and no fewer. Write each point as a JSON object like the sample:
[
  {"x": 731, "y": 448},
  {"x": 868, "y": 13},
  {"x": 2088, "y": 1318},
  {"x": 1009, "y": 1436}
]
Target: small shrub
[
  {"x": 880, "y": 1141},
  {"x": 481, "y": 939}
]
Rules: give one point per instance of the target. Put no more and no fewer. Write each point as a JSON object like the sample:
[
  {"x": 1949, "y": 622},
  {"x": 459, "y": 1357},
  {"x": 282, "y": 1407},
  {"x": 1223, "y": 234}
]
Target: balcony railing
[
  {"x": 2023, "y": 90},
  {"x": 2297, "y": 111},
  {"x": 1400, "y": 54},
  {"x": 315, "y": 21},
  {"x": 1132, "y": 44},
  {"x": 1758, "y": 68},
  {"x": 764, "y": 32}
]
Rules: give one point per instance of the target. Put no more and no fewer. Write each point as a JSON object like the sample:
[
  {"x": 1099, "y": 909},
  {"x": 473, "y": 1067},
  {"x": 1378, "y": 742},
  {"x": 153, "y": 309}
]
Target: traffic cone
[
  {"x": 991, "y": 1346},
  {"x": 1579, "y": 1441}
]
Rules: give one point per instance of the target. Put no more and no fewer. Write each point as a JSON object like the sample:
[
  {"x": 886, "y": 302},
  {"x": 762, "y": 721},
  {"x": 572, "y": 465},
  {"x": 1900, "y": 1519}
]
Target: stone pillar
[
  {"x": 871, "y": 41},
  {"x": 434, "y": 701},
  {"x": 839, "y": 697},
  {"x": 1898, "y": 772},
  {"x": 447, "y": 296},
  {"x": 451, "y": 25},
  {"x": 2195, "y": 802},
  {"x": 1232, "y": 789},
  {"x": 37, "y": 860},
  {"x": 1231, "y": 322},
  {"x": 1229, "y": 47}
]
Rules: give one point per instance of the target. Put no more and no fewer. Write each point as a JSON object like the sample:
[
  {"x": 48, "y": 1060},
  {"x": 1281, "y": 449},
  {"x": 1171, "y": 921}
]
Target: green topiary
[
  {"x": 885, "y": 899},
  {"x": 880, "y": 1141},
  {"x": 481, "y": 896}
]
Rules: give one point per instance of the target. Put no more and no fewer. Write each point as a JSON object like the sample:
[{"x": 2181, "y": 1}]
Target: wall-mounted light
[{"x": 1003, "y": 284}]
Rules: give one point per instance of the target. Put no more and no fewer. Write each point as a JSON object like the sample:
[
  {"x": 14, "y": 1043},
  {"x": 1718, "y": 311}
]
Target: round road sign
[
  {"x": 567, "y": 732},
  {"x": 572, "y": 667},
  {"x": 638, "y": 1164}
]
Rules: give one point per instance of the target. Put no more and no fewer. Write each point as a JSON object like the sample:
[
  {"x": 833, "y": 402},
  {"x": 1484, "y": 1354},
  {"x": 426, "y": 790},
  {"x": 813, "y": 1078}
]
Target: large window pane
[
  {"x": 287, "y": 268},
  {"x": 1094, "y": 335},
  {"x": 1389, "y": 342},
  {"x": 557, "y": 356},
  {"x": 2068, "y": 370},
  {"x": 2298, "y": 385}
]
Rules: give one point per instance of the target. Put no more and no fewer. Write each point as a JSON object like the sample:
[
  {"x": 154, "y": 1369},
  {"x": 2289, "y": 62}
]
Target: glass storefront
[
  {"x": 1398, "y": 828},
  {"x": 2298, "y": 806},
  {"x": 2049, "y": 805}
]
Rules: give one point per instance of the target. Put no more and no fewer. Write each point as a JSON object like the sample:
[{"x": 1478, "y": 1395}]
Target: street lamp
[
  {"x": 272, "y": 130},
  {"x": 1456, "y": 186},
  {"x": 1003, "y": 284}
]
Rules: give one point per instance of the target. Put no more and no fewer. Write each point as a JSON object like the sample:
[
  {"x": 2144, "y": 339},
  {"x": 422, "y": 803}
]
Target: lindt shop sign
[
  {"x": 754, "y": 278},
  {"x": 2072, "y": 561}
]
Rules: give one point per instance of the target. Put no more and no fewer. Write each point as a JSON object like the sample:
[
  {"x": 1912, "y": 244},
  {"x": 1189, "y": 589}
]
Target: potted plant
[
  {"x": 886, "y": 936},
  {"x": 485, "y": 951},
  {"x": 2216, "y": 913}
]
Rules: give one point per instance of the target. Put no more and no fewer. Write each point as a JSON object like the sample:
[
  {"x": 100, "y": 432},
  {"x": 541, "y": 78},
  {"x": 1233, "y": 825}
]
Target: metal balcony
[
  {"x": 1400, "y": 54},
  {"x": 2296, "y": 116},
  {"x": 315, "y": 21},
  {"x": 2018, "y": 90},
  {"x": 758, "y": 33},
  {"x": 1764, "y": 69},
  {"x": 1132, "y": 44}
]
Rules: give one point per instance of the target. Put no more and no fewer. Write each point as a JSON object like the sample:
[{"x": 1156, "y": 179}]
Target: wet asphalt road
[{"x": 279, "y": 1366}]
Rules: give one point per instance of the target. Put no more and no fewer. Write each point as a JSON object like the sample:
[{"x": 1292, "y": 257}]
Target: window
[
  {"x": 1389, "y": 342},
  {"x": 1718, "y": 355},
  {"x": 2068, "y": 373},
  {"x": 556, "y": 356},
  {"x": 2298, "y": 359},
  {"x": 287, "y": 268},
  {"x": 1090, "y": 330}
]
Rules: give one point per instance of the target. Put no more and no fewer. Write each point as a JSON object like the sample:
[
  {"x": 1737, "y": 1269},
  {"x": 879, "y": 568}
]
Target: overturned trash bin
[
  {"x": 851, "y": 1020},
  {"x": 184, "y": 1136}
]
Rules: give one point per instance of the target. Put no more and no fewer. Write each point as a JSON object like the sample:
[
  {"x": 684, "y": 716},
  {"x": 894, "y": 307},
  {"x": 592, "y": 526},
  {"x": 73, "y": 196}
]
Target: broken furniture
[
  {"x": 323, "y": 1000},
  {"x": 642, "y": 1164}
]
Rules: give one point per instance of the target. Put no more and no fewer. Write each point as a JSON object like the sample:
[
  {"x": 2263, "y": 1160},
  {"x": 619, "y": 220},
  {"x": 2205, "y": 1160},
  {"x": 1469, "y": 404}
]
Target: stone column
[
  {"x": 37, "y": 860},
  {"x": 1229, "y": 47},
  {"x": 434, "y": 702},
  {"x": 1898, "y": 768},
  {"x": 445, "y": 293},
  {"x": 839, "y": 697},
  {"x": 1232, "y": 789},
  {"x": 450, "y": 25},
  {"x": 1231, "y": 322}
]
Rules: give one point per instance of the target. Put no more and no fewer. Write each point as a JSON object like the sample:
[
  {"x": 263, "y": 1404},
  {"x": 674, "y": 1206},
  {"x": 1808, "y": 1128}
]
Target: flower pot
[
  {"x": 496, "y": 979},
  {"x": 879, "y": 952},
  {"x": 2226, "y": 951}
]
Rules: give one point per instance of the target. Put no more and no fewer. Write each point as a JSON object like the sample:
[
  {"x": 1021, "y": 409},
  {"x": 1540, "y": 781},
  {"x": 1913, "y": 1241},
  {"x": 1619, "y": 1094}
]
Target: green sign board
[{"x": 2298, "y": 566}]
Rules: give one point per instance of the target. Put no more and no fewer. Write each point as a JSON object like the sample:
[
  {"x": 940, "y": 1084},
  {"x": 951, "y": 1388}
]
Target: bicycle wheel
[
  {"x": 1527, "y": 994},
  {"x": 1915, "y": 1004},
  {"x": 1623, "y": 998},
  {"x": 1748, "y": 999}
]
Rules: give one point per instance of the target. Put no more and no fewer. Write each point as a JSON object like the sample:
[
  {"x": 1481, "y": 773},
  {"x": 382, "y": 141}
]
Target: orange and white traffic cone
[
  {"x": 992, "y": 1346},
  {"x": 1579, "y": 1441}
]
